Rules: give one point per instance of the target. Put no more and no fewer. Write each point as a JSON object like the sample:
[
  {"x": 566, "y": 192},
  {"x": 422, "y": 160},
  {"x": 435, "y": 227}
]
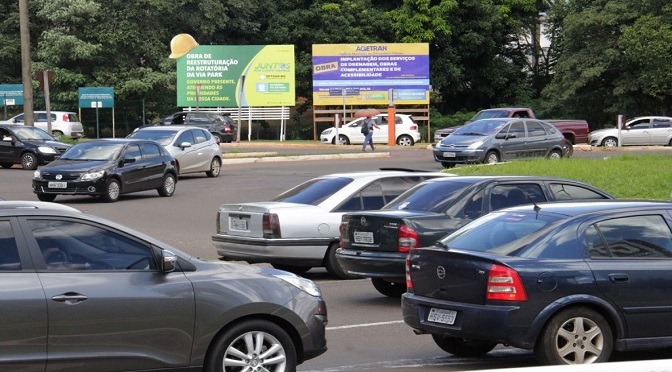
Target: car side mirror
[
  {"x": 7, "y": 139},
  {"x": 168, "y": 261},
  {"x": 184, "y": 145},
  {"x": 502, "y": 136},
  {"x": 128, "y": 160}
]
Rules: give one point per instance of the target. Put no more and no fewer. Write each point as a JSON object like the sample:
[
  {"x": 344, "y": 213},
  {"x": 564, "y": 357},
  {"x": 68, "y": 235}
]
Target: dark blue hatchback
[{"x": 573, "y": 281}]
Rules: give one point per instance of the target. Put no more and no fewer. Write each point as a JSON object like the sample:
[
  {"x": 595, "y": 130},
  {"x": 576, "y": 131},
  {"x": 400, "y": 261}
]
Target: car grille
[
  {"x": 67, "y": 190},
  {"x": 65, "y": 177}
]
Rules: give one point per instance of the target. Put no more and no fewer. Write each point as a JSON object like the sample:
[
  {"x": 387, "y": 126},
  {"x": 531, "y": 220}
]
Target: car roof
[
  {"x": 22, "y": 205},
  {"x": 476, "y": 179},
  {"x": 118, "y": 140},
  {"x": 169, "y": 127},
  {"x": 383, "y": 173},
  {"x": 573, "y": 208}
]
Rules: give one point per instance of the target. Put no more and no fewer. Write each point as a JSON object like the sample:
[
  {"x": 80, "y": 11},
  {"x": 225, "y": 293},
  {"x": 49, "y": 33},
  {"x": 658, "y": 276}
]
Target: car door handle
[
  {"x": 70, "y": 298},
  {"x": 619, "y": 278}
]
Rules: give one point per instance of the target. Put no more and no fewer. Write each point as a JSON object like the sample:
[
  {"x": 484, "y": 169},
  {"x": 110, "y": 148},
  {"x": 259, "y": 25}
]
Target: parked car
[
  {"x": 298, "y": 229},
  {"x": 63, "y": 123},
  {"x": 571, "y": 281},
  {"x": 81, "y": 293},
  {"x": 107, "y": 168},
  {"x": 222, "y": 127},
  {"x": 374, "y": 244},
  {"x": 640, "y": 131},
  {"x": 406, "y": 131},
  {"x": 493, "y": 140},
  {"x": 28, "y": 146},
  {"x": 194, "y": 149}
]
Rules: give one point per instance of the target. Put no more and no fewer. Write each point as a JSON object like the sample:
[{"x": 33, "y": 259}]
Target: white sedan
[
  {"x": 640, "y": 131},
  {"x": 299, "y": 229},
  {"x": 406, "y": 131}
]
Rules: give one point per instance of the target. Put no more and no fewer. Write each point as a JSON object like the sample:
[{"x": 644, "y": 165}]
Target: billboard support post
[{"x": 391, "y": 119}]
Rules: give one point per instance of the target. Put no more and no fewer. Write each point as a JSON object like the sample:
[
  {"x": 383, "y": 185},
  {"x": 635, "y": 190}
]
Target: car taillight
[
  {"x": 414, "y": 127},
  {"x": 409, "y": 281},
  {"x": 271, "y": 226},
  {"x": 407, "y": 238},
  {"x": 66, "y": 117},
  {"x": 504, "y": 284},
  {"x": 343, "y": 238}
]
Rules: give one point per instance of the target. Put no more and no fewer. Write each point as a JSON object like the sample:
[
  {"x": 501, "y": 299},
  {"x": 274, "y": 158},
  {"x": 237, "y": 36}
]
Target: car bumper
[
  {"x": 299, "y": 251},
  {"x": 384, "y": 265},
  {"x": 326, "y": 138},
  {"x": 495, "y": 323},
  {"x": 96, "y": 187},
  {"x": 76, "y": 135},
  {"x": 458, "y": 156}
]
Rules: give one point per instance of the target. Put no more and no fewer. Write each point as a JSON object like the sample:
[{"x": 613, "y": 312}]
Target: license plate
[
  {"x": 442, "y": 316},
  {"x": 448, "y": 154},
  {"x": 57, "y": 185},
  {"x": 238, "y": 224},
  {"x": 363, "y": 237}
]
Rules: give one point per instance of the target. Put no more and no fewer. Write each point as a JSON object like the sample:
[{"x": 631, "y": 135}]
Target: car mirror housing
[
  {"x": 184, "y": 145},
  {"x": 168, "y": 260}
]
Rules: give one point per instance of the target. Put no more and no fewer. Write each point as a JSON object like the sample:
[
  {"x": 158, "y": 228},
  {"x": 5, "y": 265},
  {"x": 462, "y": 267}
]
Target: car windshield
[
  {"x": 313, "y": 192},
  {"x": 32, "y": 133},
  {"x": 502, "y": 233},
  {"x": 481, "y": 127},
  {"x": 164, "y": 137},
  {"x": 95, "y": 150},
  {"x": 490, "y": 114},
  {"x": 429, "y": 197}
]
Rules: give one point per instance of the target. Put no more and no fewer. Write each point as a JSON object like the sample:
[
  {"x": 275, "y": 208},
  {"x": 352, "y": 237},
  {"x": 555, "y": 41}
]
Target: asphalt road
[{"x": 365, "y": 330}]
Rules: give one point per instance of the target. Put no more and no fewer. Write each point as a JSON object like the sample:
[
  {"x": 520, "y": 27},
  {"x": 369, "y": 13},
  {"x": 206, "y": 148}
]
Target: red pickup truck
[{"x": 576, "y": 131}]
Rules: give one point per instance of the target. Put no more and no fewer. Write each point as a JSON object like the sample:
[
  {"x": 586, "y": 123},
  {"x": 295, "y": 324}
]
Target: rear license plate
[
  {"x": 238, "y": 224},
  {"x": 363, "y": 237},
  {"x": 448, "y": 154},
  {"x": 57, "y": 185},
  {"x": 442, "y": 316}
]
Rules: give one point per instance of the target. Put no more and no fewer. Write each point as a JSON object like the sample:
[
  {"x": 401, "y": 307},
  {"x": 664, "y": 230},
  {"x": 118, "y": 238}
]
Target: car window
[
  {"x": 150, "y": 151},
  {"x": 640, "y": 124},
  {"x": 562, "y": 191},
  {"x": 133, "y": 152},
  {"x": 41, "y": 116},
  {"x": 199, "y": 135},
  {"x": 503, "y": 196},
  {"x": 186, "y": 136},
  {"x": 431, "y": 196},
  {"x": 68, "y": 245},
  {"x": 9, "y": 252},
  {"x": 19, "y": 119},
  {"x": 661, "y": 123},
  {"x": 535, "y": 129},
  {"x": 200, "y": 118},
  {"x": 372, "y": 196},
  {"x": 636, "y": 237},
  {"x": 72, "y": 117},
  {"x": 178, "y": 118},
  {"x": 314, "y": 191},
  {"x": 395, "y": 186},
  {"x": 518, "y": 129},
  {"x": 474, "y": 207}
]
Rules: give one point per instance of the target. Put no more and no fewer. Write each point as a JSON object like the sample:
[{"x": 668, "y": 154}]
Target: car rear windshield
[
  {"x": 491, "y": 114},
  {"x": 429, "y": 197},
  {"x": 72, "y": 118},
  {"x": 313, "y": 192},
  {"x": 502, "y": 233}
]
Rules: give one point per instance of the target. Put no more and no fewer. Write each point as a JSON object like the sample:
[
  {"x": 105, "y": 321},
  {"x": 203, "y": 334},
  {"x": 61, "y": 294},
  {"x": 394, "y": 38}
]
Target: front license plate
[
  {"x": 442, "y": 316},
  {"x": 238, "y": 224},
  {"x": 363, "y": 237},
  {"x": 57, "y": 185},
  {"x": 448, "y": 154}
]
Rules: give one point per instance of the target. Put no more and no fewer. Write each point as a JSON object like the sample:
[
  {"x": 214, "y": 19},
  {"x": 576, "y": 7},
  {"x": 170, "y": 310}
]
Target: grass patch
[{"x": 625, "y": 176}]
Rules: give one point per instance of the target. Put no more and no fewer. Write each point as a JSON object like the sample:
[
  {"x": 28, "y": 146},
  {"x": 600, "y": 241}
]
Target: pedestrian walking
[{"x": 367, "y": 130}]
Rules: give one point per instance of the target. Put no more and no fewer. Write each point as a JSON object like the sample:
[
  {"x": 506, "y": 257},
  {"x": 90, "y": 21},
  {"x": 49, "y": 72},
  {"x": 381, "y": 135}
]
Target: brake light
[
  {"x": 343, "y": 237},
  {"x": 271, "y": 226},
  {"x": 504, "y": 284},
  {"x": 407, "y": 238},
  {"x": 409, "y": 282},
  {"x": 414, "y": 127},
  {"x": 66, "y": 117}
]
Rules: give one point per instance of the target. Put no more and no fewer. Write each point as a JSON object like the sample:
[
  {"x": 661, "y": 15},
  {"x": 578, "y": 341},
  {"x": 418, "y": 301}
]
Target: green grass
[{"x": 625, "y": 176}]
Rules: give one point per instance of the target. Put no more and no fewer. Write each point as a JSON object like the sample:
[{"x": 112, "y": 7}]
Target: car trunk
[
  {"x": 374, "y": 231},
  {"x": 242, "y": 220}
]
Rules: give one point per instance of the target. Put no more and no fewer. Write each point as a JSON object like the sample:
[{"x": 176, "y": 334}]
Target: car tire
[
  {"x": 610, "y": 142},
  {"x": 57, "y": 134},
  {"x": 492, "y": 157},
  {"x": 112, "y": 190},
  {"x": 6, "y": 165},
  {"x": 46, "y": 197},
  {"x": 298, "y": 270},
  {"x": 463, "y": 348},
  {"x": 343, "y": 139},
  {"x": 167, "y": 186},
  {"x": 389, "y": 289},
  {"x": 405, "y": 140},
  {"x": 332, "y": 265},
  {"x": 576, "y": 335},
  {"x": 242, "y": 338},
  {"x": 447, "y": 165},
  {"x": 555, "y": 154},
  {"x": 29, "y": 161},
  {"x": 215, "y": 167},
  {"x": 218, "y": 138}
]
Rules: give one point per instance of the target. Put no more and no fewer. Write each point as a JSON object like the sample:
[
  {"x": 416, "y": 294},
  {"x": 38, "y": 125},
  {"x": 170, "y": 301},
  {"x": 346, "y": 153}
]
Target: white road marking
[{"x": 364, "y": 325}]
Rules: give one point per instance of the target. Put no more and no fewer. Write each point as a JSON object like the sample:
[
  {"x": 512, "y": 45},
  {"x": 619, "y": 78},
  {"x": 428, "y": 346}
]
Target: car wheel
[
  {"x": 298, "y": 270},
  {"x": 555, "y": 154},
  {"x": 343, "y": 139},
  {"x": 491, "y": 158},
  {"x": 253, "y": 345},
  {"x": 46, "y": 197},
  {"x": 332, "y": 265},
  {"x": 29, "y": 161},
  {"x": 6, "y": 165},
  {"x": 112, "y": 190},
  {"x": 57, "y": 134},
  {"x": 405, "y": 140},
  {"x": 215, "y": 167},
  {"x": 218, "y": 138},
  {"x": 610, "y": 142},
  {"x": 389, "y": 289},
  {"x": 575, "y": 336},
  {"x": 447, "y": 165},
  {"x": 168, "y": 186},
  {"x": 463, "y": 348}
]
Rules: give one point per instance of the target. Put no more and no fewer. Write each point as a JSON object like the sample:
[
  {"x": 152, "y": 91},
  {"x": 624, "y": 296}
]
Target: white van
[{"x": 62, "y": 123}]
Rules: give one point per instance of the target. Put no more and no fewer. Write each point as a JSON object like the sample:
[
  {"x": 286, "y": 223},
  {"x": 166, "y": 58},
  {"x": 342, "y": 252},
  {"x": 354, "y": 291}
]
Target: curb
[{"x": 270, "y": 159}]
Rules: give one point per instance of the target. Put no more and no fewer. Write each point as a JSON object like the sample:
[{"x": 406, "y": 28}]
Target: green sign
[
  {"x": 102, "y": 97},
  {"x": 11, "y": 94},
  {"x": 232, "y": 76}
]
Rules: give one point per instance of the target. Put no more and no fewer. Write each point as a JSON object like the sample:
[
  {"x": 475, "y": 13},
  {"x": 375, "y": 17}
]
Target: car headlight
[
  {"x": 326, "y": 131},
  {"x": 303, "y": 284},
  {"x": 47, "y": 150},
  {"x": 475, "y": 145},
  {"x": 92, "y": 176},
  {"x": 37, "y": 174}
]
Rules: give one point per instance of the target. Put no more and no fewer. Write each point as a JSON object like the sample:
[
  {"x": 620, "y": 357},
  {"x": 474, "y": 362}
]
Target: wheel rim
[
  {"x": 215, "y": 167},
  {"x": 169, "y": 184},
  {"x": 610, "y": 142},
  {"x": 492, "y": 158},
  {"x": 113, "y": 190},
  {"x": 28, "y": 161},
  {"x": 404, "y": 141},
  {"x": 255, "y": 351},
  {"x": 342, "y": 140},
  {"x": 579, "y": 341},
  {"x": 555, "y": 155}
]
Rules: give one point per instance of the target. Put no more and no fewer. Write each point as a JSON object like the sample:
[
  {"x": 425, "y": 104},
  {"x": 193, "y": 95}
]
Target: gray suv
[{"x": 81, "y": 293}]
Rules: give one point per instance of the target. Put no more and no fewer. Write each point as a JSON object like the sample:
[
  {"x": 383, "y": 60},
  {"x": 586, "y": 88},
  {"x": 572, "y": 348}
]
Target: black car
[
  {"x": 107, "y": 168},
  {"x": 374, "y": 244},
  {"x": 571, "y": 281},
  {"x": 28, "y": 146},
  {"x": 220, "y": 125}
]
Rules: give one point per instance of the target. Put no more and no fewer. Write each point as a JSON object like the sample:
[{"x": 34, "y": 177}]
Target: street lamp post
[{"x": 26, "y": 66}]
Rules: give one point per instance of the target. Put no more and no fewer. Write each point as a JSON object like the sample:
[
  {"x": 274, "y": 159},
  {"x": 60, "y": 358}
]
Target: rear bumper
[
  {"x": 298, "y": 251},
  {"x": 384, "y": 265}
]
